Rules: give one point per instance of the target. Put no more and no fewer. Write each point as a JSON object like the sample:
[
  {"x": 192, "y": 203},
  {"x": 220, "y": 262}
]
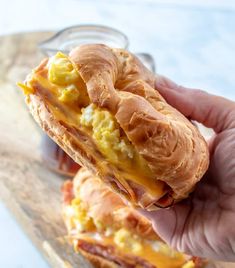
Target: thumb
[{"x": 210, "y": 110}]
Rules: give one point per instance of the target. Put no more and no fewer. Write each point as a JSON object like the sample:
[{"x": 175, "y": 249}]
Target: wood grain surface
[{"x": 28, "y": 188}]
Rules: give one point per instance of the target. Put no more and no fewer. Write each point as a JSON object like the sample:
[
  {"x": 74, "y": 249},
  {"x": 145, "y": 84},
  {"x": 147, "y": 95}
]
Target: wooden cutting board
[{"x": 27, "y": 187}]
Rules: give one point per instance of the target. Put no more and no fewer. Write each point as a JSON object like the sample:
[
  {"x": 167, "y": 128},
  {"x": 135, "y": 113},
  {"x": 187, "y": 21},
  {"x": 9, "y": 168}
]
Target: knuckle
[{"x": 198, "y": 93}]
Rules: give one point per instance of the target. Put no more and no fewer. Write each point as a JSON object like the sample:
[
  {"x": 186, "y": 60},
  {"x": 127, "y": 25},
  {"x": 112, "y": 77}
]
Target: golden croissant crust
[{"x": 100, "y": 105}]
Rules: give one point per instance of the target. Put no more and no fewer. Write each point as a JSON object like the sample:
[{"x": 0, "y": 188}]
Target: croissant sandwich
[
  {"x": 99, "y": 104},
  {"x": 111, "y": 234}
]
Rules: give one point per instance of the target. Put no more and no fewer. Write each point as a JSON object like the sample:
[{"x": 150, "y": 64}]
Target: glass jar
[
  {"x": 54, "y": 157},
  {"x": 73, "y": 36}
]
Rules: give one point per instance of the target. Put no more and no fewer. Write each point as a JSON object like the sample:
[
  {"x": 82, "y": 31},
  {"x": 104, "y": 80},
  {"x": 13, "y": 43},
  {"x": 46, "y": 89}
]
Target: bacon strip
[
  {"x": 110, "y": 253},
  {"x": 166, "y": 201},
  {"x": 67, "y": 190},
  {"x": 199, "y": 263}
]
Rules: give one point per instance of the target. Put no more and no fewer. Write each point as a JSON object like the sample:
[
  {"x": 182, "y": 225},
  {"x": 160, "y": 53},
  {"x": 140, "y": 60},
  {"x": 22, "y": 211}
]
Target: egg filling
[{"x": 82, "y": 226}]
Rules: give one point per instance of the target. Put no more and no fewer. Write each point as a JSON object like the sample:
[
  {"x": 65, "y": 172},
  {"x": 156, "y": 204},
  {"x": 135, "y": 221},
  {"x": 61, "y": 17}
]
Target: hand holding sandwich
[
  {"x": 204, "y": 224},
  {"x": 101, "y": 106}
]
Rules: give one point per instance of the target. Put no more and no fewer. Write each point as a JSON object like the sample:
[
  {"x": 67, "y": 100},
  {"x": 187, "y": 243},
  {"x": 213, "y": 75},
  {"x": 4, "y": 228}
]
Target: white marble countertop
[{"x": 193, "y": 42}]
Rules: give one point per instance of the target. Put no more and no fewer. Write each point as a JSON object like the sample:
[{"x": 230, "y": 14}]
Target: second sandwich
[{"x": 110, "y": 234}]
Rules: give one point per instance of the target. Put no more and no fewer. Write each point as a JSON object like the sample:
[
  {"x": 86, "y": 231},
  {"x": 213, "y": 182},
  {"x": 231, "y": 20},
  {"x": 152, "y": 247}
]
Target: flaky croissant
[{"x": 100, "y": 105}]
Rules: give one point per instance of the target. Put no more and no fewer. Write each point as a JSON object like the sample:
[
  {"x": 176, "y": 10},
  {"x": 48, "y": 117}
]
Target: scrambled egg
[
  {"x": 106, "y": 133},
  {"x": 61, "y": 71},
  {"x": 70, "y": 87},
  {"x": 69, "y": 94},
  {"x": 99, "y": 225},
  {"x": 163, "y": 248},
  {"x": 80, "y": 218},
  {"x": 189, "y": 264},
  {"x": 125, "y": 240}
]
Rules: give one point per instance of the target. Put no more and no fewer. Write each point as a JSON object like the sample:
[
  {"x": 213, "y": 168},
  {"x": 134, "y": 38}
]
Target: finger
[
  {"x": 212, "y": 111},
  {"x": 169, "y": 224},
  {"x": 163, "y": 222},
  {"x": 165, "y": 82}
]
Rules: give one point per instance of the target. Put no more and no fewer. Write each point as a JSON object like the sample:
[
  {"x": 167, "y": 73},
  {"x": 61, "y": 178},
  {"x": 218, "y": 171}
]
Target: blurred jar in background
[{"x": 53, "y": 156}]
